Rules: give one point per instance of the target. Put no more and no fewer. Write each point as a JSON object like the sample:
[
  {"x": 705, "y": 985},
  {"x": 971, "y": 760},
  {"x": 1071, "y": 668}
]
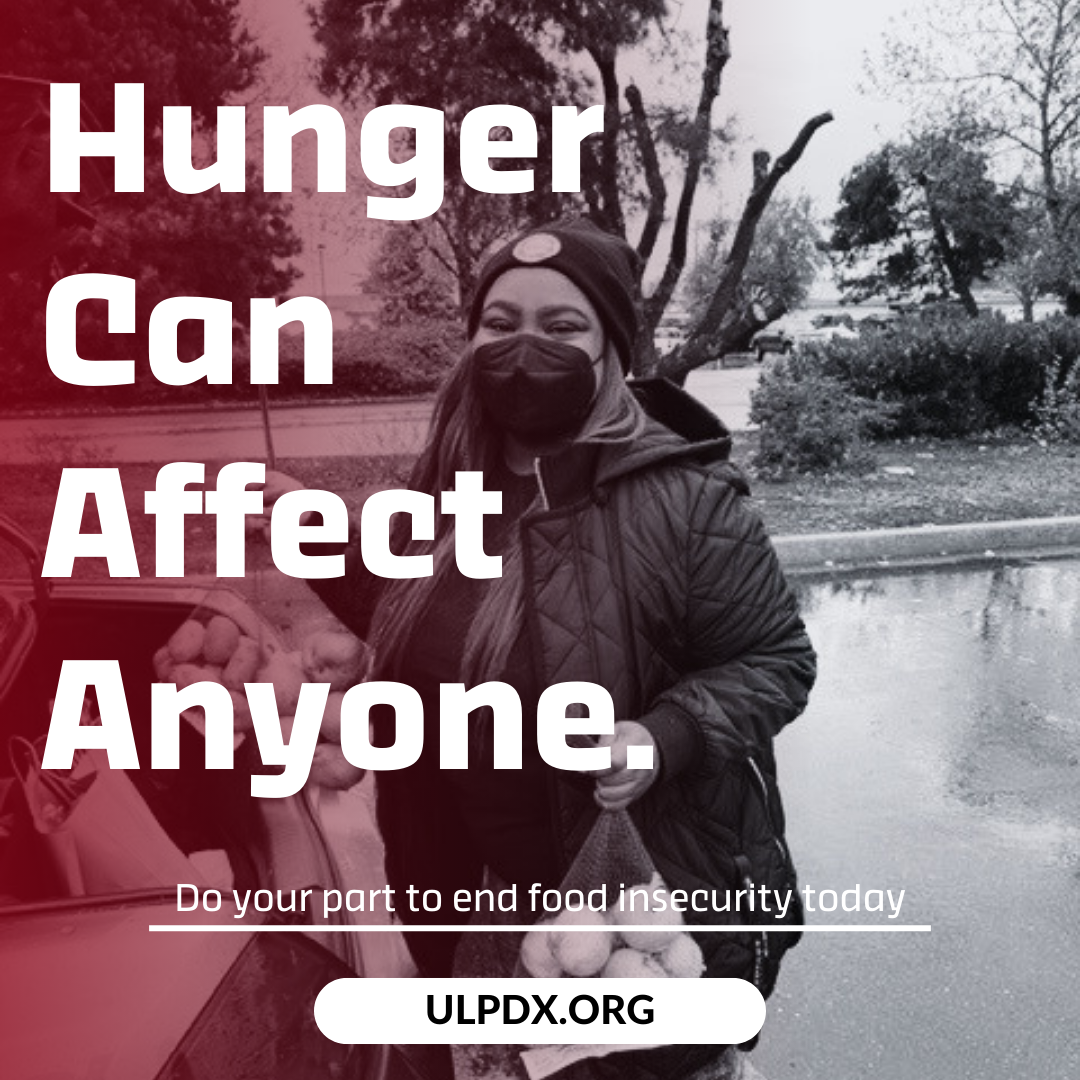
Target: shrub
[
  {"x": 393, "y": 361},
  {"x": 1057, "y": 411},
  {"x": 810, "y": 420},
  {"x": 950, "y": 375},
  {"x": 388, "y": 361}
]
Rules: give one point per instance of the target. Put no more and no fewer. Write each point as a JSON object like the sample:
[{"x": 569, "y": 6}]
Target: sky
[
  {"x": 795, "y": 58},
  {"x": 791, "y": 59}
]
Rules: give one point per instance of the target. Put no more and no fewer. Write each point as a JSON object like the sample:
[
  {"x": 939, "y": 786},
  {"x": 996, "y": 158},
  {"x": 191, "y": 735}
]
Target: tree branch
[
  {"x": 610, "y": 200},
  {"x": 654, "y": 179},
  {"x": 728, "y": 324},
  {"x": 717, "y": 54}
]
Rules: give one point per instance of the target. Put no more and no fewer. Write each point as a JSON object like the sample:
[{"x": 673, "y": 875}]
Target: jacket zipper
[
  {"x": 742, "y": 866},
  {"x": 781, "y": 847},
  {"x": 540, "y": 484},
  {"x": 562, "y": 858},
  {"x": 613, "y": 526}
]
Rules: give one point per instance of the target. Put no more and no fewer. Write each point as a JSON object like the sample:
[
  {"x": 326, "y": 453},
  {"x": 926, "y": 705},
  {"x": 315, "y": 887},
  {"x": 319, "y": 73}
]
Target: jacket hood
[
  {"x": 682, "y": 428},
  {"x": 679, "y": 428}
]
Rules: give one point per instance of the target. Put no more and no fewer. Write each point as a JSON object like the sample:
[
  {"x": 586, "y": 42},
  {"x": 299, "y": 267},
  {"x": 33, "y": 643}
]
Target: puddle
[{"x": 940, "y": 754}]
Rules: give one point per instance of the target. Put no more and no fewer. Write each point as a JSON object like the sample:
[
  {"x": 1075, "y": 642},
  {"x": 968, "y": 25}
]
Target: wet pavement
[{"x": 941, "y": 756}]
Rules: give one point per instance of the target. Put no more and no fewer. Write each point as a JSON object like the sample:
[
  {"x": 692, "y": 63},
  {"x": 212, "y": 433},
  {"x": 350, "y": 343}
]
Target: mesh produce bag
[
  {"x": 612, "y": 887},
  {"x": 611, "y": 868},
  {"x": 612, "y": 857}
]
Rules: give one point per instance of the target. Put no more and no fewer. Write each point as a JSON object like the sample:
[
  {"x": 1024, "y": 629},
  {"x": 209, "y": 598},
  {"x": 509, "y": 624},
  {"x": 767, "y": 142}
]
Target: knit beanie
[{"x": 601, "y": 265}]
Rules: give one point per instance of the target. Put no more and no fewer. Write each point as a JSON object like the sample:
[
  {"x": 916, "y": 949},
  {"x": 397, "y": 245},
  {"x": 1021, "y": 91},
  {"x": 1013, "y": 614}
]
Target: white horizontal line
[{"x": 836, "y": 928}]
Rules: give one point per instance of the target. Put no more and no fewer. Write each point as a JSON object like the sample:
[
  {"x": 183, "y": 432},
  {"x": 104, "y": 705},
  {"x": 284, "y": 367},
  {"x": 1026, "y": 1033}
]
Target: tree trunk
[
  {"x": 961, "y": 280},
  {"x": 610, "y": 200},
  {"x": 654, "y": 177},
  {"x": 717, "y": 54}
]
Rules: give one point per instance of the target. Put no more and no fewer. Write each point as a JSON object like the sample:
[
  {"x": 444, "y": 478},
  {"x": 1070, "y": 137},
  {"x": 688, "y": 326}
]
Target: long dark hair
[{"x": 461, "y": 438}]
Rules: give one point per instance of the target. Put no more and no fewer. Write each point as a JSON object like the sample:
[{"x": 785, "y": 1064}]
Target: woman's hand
[{"x": 617, "y": 787}]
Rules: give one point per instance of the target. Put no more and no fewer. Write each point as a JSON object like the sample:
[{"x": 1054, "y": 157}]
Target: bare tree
[
  {"x": 524, "y": 51},
  {"x": 1011, "y": 67}
]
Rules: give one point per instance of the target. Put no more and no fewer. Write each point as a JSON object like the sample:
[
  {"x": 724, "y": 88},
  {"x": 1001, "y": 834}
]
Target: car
[
  {"x": 88, "y": 990},
  {"x": 772, "y": 341},
  {"x": 835, "y": 322},
  {"x": 882, "y": 320},
  {"x": 671, "y": 331},
  {"x": 830, "y": 326}
]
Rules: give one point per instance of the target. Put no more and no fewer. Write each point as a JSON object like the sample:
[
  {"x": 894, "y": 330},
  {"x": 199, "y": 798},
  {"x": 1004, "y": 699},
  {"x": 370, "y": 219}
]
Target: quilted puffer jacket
[{"x": 648, "y": 573}]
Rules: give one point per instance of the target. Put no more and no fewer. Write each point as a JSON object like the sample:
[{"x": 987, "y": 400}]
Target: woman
[{"x": 631, "y": 560}]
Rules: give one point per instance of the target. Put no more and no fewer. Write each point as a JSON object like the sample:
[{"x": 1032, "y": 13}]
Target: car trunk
[{"x": 208, "y": 814}]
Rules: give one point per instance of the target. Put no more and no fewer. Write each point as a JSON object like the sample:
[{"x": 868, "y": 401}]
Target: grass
[{"x": 928, "y": 482}]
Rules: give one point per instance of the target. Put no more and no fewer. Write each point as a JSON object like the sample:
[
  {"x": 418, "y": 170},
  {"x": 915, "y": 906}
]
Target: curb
[
  {"x": 929, "y": 545},
  {"x": 245, "y": 405}
]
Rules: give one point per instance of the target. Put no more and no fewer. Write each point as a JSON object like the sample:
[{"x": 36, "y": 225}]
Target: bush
[
  {"x": 1058, "y": 410},
  {"x": 950, "y": 375},
  {"x": 389, "y": 361},
  {"x": 810, "y": 421},
  {"x": 395, "y": 361}
]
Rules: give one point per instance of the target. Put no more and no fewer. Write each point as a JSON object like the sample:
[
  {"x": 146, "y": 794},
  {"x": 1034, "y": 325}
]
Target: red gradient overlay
[
  {"x": 87, "y": 990},
  {"x": 90, "y": 857}
]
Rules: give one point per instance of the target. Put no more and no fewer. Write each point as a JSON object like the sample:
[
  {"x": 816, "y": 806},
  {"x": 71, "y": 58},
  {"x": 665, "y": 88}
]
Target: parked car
[
  {"x": 828, "y": 326},
  {"x": 882, "y": 320},
  {"x": 89, "y": 993},
  {"x": 671, "y": 331},
  {"x": 772, "y": 341},
  {"x": 836, "y": 322}
]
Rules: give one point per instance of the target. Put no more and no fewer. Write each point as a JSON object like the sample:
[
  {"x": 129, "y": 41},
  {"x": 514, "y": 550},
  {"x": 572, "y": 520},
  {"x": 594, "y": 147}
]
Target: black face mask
[{"x": 533, "y": 387}]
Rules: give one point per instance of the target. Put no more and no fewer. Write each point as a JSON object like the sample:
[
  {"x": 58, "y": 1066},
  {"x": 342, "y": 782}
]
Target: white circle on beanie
[{"x": 536, "y": 248}]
